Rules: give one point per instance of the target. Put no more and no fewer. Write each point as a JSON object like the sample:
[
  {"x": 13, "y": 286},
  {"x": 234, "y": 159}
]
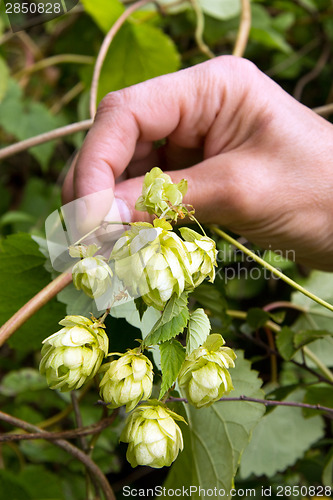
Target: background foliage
[{"x": 45, "y": 82}]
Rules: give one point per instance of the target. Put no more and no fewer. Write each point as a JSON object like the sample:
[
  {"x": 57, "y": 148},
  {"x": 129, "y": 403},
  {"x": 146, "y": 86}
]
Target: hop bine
[{"x": 73, "y": 355}]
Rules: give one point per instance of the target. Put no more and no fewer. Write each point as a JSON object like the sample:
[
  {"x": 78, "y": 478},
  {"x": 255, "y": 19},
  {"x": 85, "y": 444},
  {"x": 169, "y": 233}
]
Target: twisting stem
[
  {"x": 200, "y": 29},
  {"x": 244, "y": 29},
  {"x": 104, "y": 49},
  {"x": 284, "y": 304},
  {"x": 318, "y": 363},
  {"x": 90, "y": 430},
  {"x": 266, "y": 402},
  {"x": 72, "y": 450},
  {"x": 33, "y": 305},
  {"x": 13, "y": 149},
  {"x": 52, "y": 61},
  {"x": 271, "y": 343},
  {"x": 324, "y": 110},
  {"x": 67, "y": 98},
  {"x": 273, "y": 270}
]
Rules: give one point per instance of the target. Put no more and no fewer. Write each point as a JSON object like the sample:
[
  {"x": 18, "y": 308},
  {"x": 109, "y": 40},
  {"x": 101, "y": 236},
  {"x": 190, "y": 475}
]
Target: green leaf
[
  {"x": 303, "y": 338},
  {"x": 285, "y": 343},
  {"x": 172, "y": 322},
  {"x": 141, "y": 306},
  {"x": 271, "y": 39},
  {"x": 18, "y": 381},
  {"x": 14, "y": 216},
  {"x": 280, "y": 439},
  {"x": 103, "y": 12},
  {"x": 318, "y": 394},
  {"x": 4, "y": 72},
  {"x": 256, "y": 317},
  {"x": 221, "y": 9},
  {"x": 217, "y": 436},
  {"x": 172, "y": 358},
  {"x": 264, "y": 32},
  {"x": 327, "y": 476},
  {"x": 212, "y": 299},
  {"x": 198, "y": 330},
  {"x": 22, "y": 275},
  {"x": 24, "y": 118},
  {"x": 315, "y": 316},
  {"x": 139, "y": 52},
  {"x": 41, "y": 484},
  {"x": 12, "y": 487}
]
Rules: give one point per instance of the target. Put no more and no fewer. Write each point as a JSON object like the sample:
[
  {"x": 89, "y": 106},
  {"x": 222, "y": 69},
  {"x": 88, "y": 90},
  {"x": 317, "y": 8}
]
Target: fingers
[{"x": 218, "y": 188}]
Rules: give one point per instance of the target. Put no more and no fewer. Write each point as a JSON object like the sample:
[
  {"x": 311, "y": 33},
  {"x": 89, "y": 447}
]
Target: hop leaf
[
  {"x": 73, "y": 355},
  {"x": 160, "y": 196},
  {"x": 154, "y": 437},
  {"x": 127, "y": 380},
  {"x": 204, "y": 376},
  {"x": 152, "y": 261}
]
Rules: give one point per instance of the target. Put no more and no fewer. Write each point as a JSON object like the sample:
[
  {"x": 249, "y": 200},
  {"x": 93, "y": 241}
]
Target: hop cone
[
  {"x": 127, "y": 380},
  {"x": 152, "y": 435},
  {"x": 152, "y": 262},
  {"x": 91, "y": 274},
  {"x": 159, "y": 194},
  {"x": 204, "y": 376},
  {"x": 74, "y": 354},
  {"x": 202, "y": 250}
]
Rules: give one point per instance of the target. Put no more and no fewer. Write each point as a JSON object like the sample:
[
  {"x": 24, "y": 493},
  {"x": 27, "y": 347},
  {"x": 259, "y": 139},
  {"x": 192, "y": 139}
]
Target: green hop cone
[
  {"x": 202, "y": 250},
  {"x": 91, "y": 274},
  {"x": 159, "y": 194},
  {"x": 73, "y": 355},
  {"x": 127, "y": 380},
  {"x": 204, "y": 376},
  {"x": 152, "y": 435},
  {"x": 152, "y": 261}
]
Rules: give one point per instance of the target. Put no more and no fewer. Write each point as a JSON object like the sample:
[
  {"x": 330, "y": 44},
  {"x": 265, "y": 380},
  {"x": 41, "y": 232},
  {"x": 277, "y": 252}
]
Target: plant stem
[
  {"x": 243, "y": 315},
  {"x": 90, "y": 430},
  {"x": 52, "y": 61},
  {"x": 266, "y": 402},
  {"x": 318, "y": 363},
  {"x": 104, "y": 49},
  {"x": 203, "y": 47},
  {"x": 273, "y": 270},
  {"x": 244, "y": 29},
  {"x": 276, "y": 328},
  {"x": 33, "y": 305},
  {"x": 72, "y": 450},
  {"x": 13, "y": 149}
]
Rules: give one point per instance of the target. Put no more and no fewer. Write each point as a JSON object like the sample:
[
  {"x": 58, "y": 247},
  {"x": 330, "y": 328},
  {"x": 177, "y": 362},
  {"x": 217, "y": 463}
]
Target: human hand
[{"x": 257, "y": 161}]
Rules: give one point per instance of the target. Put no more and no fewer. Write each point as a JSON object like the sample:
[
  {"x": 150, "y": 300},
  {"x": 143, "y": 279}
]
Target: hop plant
[
  {"x": 153, "y": 436},
  {"x": 73, "y": 355},
  {"x": 160, "y": 196},
  {"x": 204, "y": 376},
  {"x": 203, "y": 252},
  {"x": 153, "y": 262},
  {"x": 127, "y": 380},
  {"x": 91, "y": 274}
]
